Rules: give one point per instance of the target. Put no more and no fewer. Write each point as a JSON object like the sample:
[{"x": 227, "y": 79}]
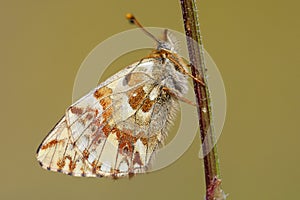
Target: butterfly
[{"x": 116, "y": 129}]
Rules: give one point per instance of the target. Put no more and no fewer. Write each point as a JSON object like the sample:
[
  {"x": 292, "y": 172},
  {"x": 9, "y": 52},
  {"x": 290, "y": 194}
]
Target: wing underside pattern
[{"x": 114, "y": 131}]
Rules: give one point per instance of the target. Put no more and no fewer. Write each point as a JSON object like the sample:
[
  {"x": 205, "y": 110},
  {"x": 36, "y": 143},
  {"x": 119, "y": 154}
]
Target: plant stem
[{"x": 198, "y": 68}]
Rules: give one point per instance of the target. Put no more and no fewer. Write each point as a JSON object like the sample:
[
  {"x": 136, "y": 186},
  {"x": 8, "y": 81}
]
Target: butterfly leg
[
  {"x": 180, "y": 98},
  {"x": 179, "y": 63}
]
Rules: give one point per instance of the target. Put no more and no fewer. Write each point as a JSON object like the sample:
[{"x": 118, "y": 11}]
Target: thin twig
[{"x": 196, "y": 55}]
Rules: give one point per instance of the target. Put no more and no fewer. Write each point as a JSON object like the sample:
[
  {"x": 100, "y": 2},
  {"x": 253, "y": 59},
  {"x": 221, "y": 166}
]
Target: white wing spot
[
  {"x": 123, "y": 167},
  {"x": 105, "y": 167}
]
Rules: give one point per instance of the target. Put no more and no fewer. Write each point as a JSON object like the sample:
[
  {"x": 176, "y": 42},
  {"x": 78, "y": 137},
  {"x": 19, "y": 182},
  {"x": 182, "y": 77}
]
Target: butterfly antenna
[{"x": 133, "y": 20}]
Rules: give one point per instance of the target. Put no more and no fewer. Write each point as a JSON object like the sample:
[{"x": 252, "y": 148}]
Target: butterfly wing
[
  {"x": 115, "y": 129},
  {"x": 57, "y": 152}
]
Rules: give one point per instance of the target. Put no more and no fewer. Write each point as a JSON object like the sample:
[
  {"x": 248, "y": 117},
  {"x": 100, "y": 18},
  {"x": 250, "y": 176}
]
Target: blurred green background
[{"x": 255, "y": 45}]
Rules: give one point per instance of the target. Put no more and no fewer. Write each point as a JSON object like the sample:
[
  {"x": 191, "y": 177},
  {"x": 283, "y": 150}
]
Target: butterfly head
[{"x": 168, "y": 42}]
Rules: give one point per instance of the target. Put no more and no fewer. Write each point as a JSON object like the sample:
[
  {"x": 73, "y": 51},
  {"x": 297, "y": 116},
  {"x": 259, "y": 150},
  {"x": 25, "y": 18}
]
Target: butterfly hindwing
[
  {"x": 57, "y": 153},
  {"x": 114, "y": 130}
]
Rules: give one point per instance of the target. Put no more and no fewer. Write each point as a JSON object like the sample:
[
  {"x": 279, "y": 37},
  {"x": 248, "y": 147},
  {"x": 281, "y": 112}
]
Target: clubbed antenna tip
[
  {"x": 133, "y": 20},
  {"x": 130, "y": 18}
]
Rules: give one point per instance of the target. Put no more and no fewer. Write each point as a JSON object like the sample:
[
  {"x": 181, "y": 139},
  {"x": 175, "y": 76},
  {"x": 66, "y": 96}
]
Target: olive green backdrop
[{"x": 255, "y": 45}]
